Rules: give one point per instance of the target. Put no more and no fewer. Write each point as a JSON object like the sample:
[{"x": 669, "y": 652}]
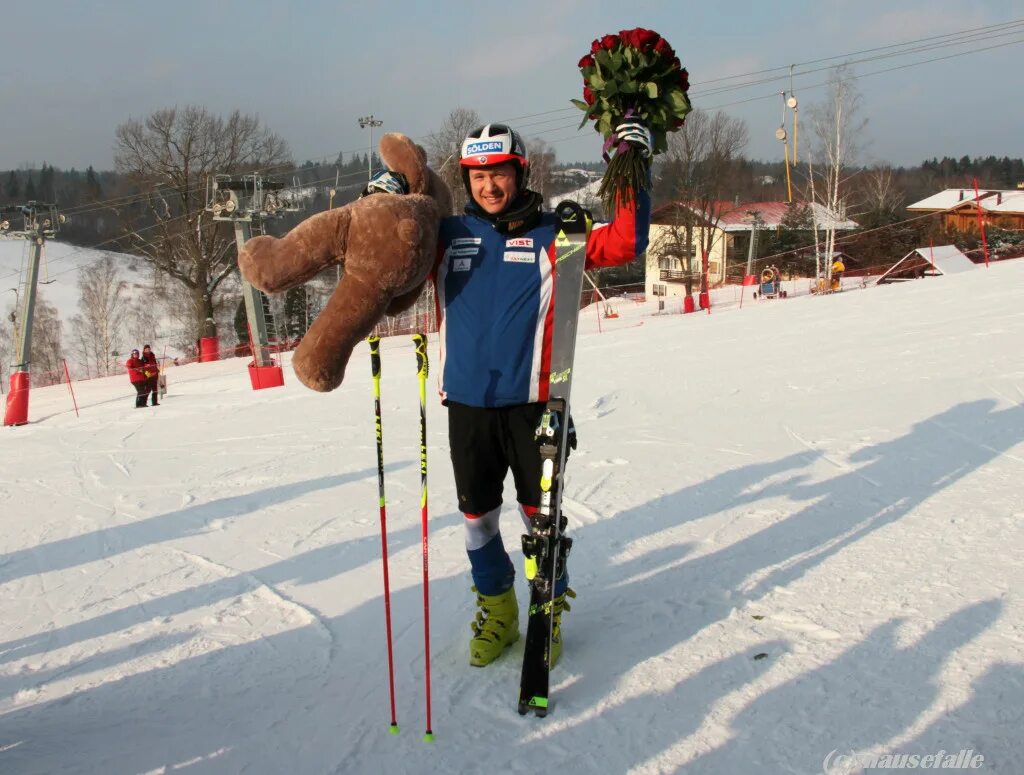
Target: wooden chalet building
[{"x": 1001, "y": 209}]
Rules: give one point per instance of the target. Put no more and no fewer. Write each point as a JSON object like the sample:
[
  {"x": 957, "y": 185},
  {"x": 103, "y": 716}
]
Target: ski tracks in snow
[
  {"x": 272, "y": 595},
  {"x": 844, "y": 467}
]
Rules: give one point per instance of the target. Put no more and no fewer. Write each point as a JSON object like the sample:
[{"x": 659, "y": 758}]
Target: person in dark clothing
[
  {"x": 136, "y": 373},
  {"x": 151, "y": 370}
]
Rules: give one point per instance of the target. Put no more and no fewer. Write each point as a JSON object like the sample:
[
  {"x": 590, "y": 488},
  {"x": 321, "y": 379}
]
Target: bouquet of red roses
[{"x": 634, "y": 74}]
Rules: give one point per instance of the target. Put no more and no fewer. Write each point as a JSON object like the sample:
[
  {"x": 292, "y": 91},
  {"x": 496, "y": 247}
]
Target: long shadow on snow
[
  {"x": 310, "y": 567},
  {"x": 603, "y": 642},
  {"x": 869, "y": 694},
  {"x": 110, "y": 542},
  {"x": 685, "y": 597},
  {"x": 989, "y": 721},
  {"x": 197, "y": 695}
]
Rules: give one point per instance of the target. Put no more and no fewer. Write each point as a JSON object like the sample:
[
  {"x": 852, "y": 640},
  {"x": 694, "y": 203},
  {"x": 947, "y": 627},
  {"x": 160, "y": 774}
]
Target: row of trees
[
  {"x": 705, "y": 168},
  {"x": 113, "y": 317},
  {"x": 152, "y": 205}
]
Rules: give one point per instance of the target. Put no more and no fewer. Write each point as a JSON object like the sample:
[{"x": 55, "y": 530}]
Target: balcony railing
[{"x": 674, "y": 275}]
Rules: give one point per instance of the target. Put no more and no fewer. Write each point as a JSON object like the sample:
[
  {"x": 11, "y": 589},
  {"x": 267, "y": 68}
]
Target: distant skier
[
  {"x": 495, "y": 285},
  {"x": 838, "y": 267},
  {"x": 137, "y": 374}
]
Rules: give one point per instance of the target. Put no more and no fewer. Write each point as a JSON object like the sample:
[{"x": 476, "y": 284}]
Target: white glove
[{"x": 636, "y": 134}]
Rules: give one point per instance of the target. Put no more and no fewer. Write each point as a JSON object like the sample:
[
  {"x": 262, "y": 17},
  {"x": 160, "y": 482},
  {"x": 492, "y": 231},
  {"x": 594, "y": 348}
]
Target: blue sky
[{"x": 72, "y": 71}]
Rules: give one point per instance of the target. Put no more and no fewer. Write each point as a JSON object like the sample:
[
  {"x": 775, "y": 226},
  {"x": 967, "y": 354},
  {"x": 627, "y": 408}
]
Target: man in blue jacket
[{"x": 495, "y": 281}]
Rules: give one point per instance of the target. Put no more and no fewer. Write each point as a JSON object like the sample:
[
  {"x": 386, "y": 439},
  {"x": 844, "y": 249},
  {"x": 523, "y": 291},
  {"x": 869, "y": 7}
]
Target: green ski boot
[
  {"x": 561, "y": 604},
  {"x": 495, "y": 628}
]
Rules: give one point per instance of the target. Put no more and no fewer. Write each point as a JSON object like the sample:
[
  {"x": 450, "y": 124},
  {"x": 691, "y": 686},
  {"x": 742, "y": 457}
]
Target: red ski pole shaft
[
  {"x": 74, "y": 401},
  {"x": 375, "y": 364},
  {"x": 422, "y": 367}
]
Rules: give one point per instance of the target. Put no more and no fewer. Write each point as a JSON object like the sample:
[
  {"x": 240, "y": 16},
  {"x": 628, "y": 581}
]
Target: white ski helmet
[{"x": 494, "y": 144}]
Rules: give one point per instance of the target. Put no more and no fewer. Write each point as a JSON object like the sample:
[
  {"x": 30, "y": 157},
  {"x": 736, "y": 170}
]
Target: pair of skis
[
  {"x": 546, "y": 547},
  {"x": 422, "y": 367}
]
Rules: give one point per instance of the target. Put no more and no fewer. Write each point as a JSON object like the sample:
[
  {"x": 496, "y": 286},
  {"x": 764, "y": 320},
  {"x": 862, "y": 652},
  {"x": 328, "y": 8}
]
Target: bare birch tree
[
  {"x": 170, "y": 154},
  {"x": 838, "y": 140},
  {"x": 542, "y": 163},
  {"x": 443, "y": 148},
  {"x": 47, "y": 344},
  {"x": 699, "y": 172},
  {"x": 103, "y": 306},
  {"x": 6, "y": 347}
]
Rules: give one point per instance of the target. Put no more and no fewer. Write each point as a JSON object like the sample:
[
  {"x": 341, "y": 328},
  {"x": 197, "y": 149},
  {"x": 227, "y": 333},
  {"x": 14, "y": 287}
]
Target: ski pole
[
  {"x": 422, "y": 367},
  {"x": 375, "y": 364}
]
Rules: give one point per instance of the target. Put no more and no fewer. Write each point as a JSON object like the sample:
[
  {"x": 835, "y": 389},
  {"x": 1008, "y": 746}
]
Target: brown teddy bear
[{"x": 387, "y": 243}]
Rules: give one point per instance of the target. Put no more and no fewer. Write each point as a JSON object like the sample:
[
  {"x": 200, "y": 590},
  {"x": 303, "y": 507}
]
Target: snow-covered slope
[
  {"x": 59, "y": 270},
  {"x": 799, "y": 529}
]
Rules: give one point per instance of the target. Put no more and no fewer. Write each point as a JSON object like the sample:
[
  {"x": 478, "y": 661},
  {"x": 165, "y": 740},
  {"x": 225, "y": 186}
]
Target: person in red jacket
[
  {"x": 137, "y": 374},
  {"x": 152, "y": 371}
]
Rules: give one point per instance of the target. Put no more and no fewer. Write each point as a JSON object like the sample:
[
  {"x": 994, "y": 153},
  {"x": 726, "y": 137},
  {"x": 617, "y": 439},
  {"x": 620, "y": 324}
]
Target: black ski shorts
[{"x": 485, "y": 443}]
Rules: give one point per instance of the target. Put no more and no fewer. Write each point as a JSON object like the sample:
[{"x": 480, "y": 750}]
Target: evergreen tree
[
  {"x": 241, "y": 323},
  {"x": 92, "y": 184},
  {"x": 296, "y": 312},
  {"x": 12, "y": 189},
  {"x": 796, "y": 230},
  {"x": 46, "y": 178},
  {"x": 30, "y": 188}
]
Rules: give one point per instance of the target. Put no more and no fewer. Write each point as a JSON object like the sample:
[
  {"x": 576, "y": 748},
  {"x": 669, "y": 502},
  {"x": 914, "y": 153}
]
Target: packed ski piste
[{"x": 814, "y": 565}]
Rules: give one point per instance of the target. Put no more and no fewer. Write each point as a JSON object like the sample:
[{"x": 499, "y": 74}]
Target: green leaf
[
  {"x": 628, "y": 87},
  {"x": 616, "y": 60},
  {"x": 678, "y": 102},
  {"x": 596, "y": 82},
  {"x": 603, "y": 59},
  {"x": 651, "y": 89},
  {"x": 611, "y": 88},
  {"x": 581, "y": 105}
]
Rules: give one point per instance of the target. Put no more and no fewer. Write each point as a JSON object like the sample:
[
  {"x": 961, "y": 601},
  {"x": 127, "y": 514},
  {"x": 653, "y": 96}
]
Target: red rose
[
  {"x": 588, "y": 96},
  {"x": 587, "y": 61},
  {"x": 646, "y": 38},
  {"x": 595, "y": 47},
  {"x": 678, "y": 122},
  {"x": 609, "y": 41},
  {"x": 684, "y": 79},
  {"x": 662, "y": 47},
  {"x": 629, "y": 38},
  {"x": 676, "y": 63}
]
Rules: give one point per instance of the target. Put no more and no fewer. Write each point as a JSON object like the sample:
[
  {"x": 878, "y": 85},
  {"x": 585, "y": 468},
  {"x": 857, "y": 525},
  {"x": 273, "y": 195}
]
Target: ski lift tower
[
  {"x": 38, "y": 221},
  {"x": 248, "y": 201}
]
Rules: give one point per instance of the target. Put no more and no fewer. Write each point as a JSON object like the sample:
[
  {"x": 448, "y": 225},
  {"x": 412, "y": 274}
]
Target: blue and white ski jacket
[{"x": 495, "y": 299}]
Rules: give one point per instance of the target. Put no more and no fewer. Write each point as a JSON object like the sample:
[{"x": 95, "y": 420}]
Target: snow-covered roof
[
  {"x": 1008, "y": 202},
  {"x": 943, "y": 259},
  {"x": 739, "y": 217},
  {"x": 947, "y": 259},
  {"x": 992, "y": 200},
  {"x": 586, "y": 196}
]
